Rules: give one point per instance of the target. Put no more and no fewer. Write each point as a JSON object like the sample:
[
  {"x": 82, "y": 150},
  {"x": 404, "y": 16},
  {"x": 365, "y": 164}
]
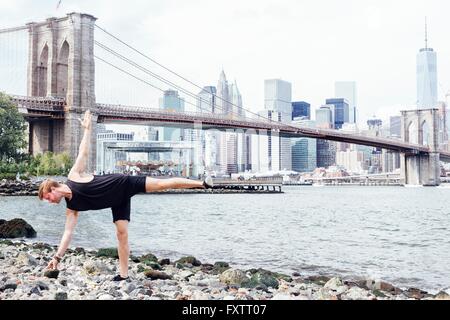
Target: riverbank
[
  {"x": 31, "y": 187},
  {"x": 19, "y": 188},
  {"x": 86, "y": 275}
]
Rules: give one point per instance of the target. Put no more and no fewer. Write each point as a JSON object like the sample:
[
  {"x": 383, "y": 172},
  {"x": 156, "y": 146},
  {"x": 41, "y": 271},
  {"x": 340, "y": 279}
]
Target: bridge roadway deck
[{"x": 108, "y": 113}]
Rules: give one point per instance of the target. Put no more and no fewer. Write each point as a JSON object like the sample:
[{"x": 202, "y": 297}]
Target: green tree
[
  {"x": 63, "y": 162},
  {"x": 12, "y": 131}
]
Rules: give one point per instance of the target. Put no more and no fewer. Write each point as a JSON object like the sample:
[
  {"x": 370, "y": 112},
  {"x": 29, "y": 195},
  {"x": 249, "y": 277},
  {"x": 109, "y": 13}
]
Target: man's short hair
[{"x": 46, "y": 186}]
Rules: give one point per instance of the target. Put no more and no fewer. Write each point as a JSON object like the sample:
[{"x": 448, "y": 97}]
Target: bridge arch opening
[
  {"x": 411, "y": 133},
  {"x": 42, "y": 72},
  {"x": 425, "y": 134},
  {"x": 62, "y": 70}
]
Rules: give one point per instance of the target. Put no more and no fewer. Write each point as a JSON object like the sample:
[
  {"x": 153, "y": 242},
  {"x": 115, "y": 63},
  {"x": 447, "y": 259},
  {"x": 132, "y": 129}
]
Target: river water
[{"x": 396, "y": 234}]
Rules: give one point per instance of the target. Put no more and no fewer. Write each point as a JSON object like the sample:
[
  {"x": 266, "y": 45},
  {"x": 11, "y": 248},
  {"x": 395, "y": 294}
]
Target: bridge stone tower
[
  {"x": 421, "y": 127},
  {"x": 61, "y": 64}
]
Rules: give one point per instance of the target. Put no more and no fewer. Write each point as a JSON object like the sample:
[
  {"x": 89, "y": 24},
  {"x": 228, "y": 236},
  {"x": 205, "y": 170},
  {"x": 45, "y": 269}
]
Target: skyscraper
[
  {"x": 241, "y": 146},
  {"x": 304, "y": 150},
  {"x": 278, "y": 105},
  {"x": 205, "y": 142},
  {"x": 229, "y": 104},
  {"x": 341, "y": 111},
  {"x": 171, "y": 101},
  {"x": 236, "y": 100},
  {"x": 223, "y": 108},
  {"x": 426, "y": 76},
  {"x": 278, "y": 97},
  {"x": 325, "y": 116},
  {"x": 395, "y": 127},
  {"x": 326, "y": 150},
  {"x": 447, "y": 118},
  {"x": 301, "y": 109},
  {"x": 347, "y": 91},
  {"x": 206, "y": 101}
]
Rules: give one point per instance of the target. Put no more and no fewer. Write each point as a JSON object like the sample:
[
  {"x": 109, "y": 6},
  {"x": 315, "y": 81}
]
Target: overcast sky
[{"x": 311, "y": 44}]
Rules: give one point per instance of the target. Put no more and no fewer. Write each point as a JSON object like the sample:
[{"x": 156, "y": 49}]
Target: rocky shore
[
  {"x": 31, "y": 187},
  {"x": 86, "y": 275},
  {"x": 19, "y": 188}
]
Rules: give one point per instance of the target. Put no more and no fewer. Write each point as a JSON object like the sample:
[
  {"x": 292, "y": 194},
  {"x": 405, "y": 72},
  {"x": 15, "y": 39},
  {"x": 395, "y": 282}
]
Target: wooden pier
[{"x": 257, "y": 185}]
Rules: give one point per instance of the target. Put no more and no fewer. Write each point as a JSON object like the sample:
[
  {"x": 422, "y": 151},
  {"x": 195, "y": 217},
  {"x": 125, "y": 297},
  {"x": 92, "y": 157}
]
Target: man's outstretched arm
[
  {"x": 83, "y": 152},
  {"x": 71, "y": 222}
]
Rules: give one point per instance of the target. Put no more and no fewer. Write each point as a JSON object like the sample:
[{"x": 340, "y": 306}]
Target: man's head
[{"x": 49, "y": 190}]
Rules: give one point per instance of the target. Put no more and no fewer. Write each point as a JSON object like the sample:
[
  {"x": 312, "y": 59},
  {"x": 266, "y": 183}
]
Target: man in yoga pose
[{"x": 84, "y": 191}]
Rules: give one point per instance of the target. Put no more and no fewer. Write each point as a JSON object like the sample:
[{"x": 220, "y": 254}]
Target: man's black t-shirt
[{"x": 106, "y": 191}]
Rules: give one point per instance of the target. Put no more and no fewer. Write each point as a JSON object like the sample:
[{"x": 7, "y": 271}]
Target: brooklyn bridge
[{"x": 61, "y": 86}]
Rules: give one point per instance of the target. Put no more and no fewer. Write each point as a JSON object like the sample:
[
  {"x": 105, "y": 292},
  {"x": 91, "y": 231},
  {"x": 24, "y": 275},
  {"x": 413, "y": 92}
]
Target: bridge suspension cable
[
  {"x": 134, "y": 76},
  {"x": 13, "y": 60},
  {"x": 9, "y": 30},
  {"x": 178, "y": 75},
  {"x": 160, "y": 78}
]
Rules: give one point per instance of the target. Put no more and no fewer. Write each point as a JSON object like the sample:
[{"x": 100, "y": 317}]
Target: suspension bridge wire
[
  {"x": 176, "y": 74},
  {"x": 11, "y": 64},
  {"x": 7, "y": 30},
  {"x": 134, "y": 76},
  {"x": 160, "y": 78},
  {"x": 142, "y": 80}
]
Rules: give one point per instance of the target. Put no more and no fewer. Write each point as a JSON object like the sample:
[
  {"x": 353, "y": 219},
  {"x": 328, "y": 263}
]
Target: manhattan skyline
[{"x": 309, "y": 45}]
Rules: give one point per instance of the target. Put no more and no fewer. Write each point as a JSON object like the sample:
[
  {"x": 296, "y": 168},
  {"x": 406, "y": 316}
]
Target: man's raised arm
[{"x": 83, "y": 152}]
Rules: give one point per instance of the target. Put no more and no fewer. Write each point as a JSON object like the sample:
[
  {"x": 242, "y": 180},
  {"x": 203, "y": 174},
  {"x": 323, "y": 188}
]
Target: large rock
[
  {"x": 219, "y": 267},
  {"x": 147, "y": 258},
  {"x": 16, "y": 228},
  {"x": 154, "y": 275},
  {"x": 52, "y": 274},
  {"x": 25, "y": 259},
  {"x": 108, "y": 253},
  {"x": 233, "y": 277},
  {"x": 96, "y": 267},
  {"x": 319, "y": 280},
  {"x": 260, "y": 278},
  {"x": 189, "y": 260},
  {"x": 336, "y": 285},
  {"x": 60, "y": 295},
  {"x": 416, "y": 293},
  {"x": 442, "y": 295}
]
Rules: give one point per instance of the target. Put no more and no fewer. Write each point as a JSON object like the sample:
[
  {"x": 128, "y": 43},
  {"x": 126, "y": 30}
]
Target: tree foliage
[
  {"x": 12, "y": 131},
  {"x": 13, "y": 153},
  {"x": 47, "y": 164}
]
